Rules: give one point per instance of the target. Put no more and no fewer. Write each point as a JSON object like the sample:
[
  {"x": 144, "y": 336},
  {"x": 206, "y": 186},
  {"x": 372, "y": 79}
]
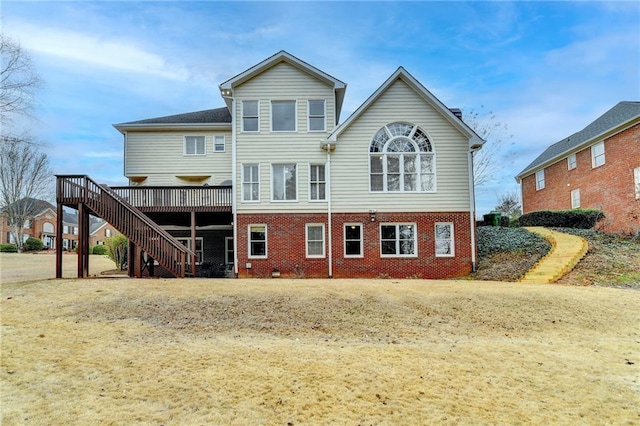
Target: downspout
[
  {"x": 472, "y": 207},
  {"x": 329, "y": 227},
  {"x": 234, "y": 174}
]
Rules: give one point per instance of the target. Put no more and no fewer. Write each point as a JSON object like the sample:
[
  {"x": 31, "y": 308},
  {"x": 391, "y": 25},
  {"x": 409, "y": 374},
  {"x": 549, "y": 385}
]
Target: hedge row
[
  {"x": 576, "y": 218},
  {"x": 8, "y": 248}
]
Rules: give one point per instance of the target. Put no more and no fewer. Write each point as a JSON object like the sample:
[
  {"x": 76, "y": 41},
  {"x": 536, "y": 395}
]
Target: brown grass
[{"x": 203, "y": 351}]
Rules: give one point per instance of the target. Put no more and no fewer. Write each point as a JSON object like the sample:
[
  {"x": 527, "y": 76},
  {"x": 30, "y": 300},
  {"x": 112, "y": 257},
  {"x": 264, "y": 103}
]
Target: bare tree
[
  {"x": 493, "y": 155},
  {"x": 18, "y": 79},
  {"x": 25, "y": 177},
  {"x": 509, "y": 204}
]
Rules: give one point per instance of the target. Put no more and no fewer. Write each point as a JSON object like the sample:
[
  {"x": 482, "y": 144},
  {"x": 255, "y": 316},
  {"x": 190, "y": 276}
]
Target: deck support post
[
  {"x": 193, "y": 243},
  {"x": 59, "y": 236},
  {"x": 83, "y": 241},
  {"x": 131, "y": 259}
]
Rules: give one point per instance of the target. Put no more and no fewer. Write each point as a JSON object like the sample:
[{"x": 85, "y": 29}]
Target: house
[
  {"x": 273, "y": 184},
  {"x": 42, "y": 225},
  {"x": 597, "y": 167}
]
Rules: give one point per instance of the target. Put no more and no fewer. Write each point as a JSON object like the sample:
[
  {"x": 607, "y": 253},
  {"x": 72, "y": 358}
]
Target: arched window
[
  {"x": 401, "y": 159},
  {"x": 48, "y": 228}
]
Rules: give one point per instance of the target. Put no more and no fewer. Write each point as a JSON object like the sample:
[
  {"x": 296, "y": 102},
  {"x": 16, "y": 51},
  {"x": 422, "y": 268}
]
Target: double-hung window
[
  {"x": 283, "y": 183},
  {"x": 250, "y": 116},
  {"x": 317, "y": 182},
  {"x": 444, "y": 239},
  {"x": 258, "y": 241},
  {"x": 597, "y": 154},
  {"x": 398, "y": 240},
  {"x": 575, "y": 198},
  {"x": 315, "y": 240},
  {"x": 571, "y": 162},
  {"x": 194, "y": 145},
  {"x": 401, "y": 159},
  {"x": 250, "y": 182},
  {"x": 317, "y": 122},
  {"x": 539, "y": 180},
  {"x": 218, "y": 143},
  {"x": 283, "y": 116},
  {"x": 353, "y": 240}
]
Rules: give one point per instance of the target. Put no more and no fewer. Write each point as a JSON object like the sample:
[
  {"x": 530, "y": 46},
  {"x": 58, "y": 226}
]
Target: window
[
  {"x": 258, "y": 241},
  {"x": 283, "y": 116},
  {"x": 597, "y": 155},
  {"x": 539, "y": 180},
  {"x": 48, "y": 227},
  {"x": 107, "y": 232},
  {"x": 575, "y": 198},
  {"x": 317, "y": 182},
  {"x": 218, "y": 144},
  {"x": 444, "y": 240},
  {"x": 26, "y": 224},
  {"x": 284, "y": 186},
  {"x": 317, "y": 116},
  {"x": 402, "y": 160},
  {"x": 315, "y": 240},
  {"x": 353, "y": 240},
  {"x": 250, "y": 116},
  {"x": 636, "y": 181},
  {"x": 188, "y": 244},
  {"x": 75, "y": 230},
  {"x": 250, "y": 182},
  {"x": 571, "y": 162},
  {"x": 398, "y": 240},
  {"x": 229, "y": 251},
  {"x": 194, "y": 145},
  {"x": 65, "y": 229}
]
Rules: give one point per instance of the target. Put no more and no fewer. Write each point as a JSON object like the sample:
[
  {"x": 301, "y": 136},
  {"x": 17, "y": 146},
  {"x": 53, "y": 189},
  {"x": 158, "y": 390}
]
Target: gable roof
[
  {"x": 475, "y": 141},
  {"x": 615, "y": 120},
  {"x": 33, "y": 206},
  {"x": 218, "y": 117},
  {"x": 226, "y": 88}
]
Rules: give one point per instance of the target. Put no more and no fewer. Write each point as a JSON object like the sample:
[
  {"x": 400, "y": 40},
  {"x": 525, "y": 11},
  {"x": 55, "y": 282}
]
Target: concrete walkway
[{"x": 566, "y": 251}]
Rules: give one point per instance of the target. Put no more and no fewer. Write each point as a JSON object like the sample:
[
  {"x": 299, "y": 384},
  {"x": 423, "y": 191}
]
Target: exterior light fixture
[{"x": 372, "y": 215}]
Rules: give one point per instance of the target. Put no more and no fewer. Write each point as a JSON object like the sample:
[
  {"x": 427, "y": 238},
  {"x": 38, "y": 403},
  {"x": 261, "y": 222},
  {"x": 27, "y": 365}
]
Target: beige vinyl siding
[
  {"x": 350, "y": 162},
  {"x": 160, "y": 157},
  {"x": 282, "y": 82}
]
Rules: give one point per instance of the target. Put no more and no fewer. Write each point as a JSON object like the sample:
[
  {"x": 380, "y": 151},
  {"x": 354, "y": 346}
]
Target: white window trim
[
  {"x": 266, "y": 242},
  {"x": 572, "y": 162},
  {"x": 242, "y": 182},
  {"x": 575, "y": 198},
  {"x": 396, "y": 224},
  {"x": 540, "y": 183},
  {"x": 242, "y": 116},
  {"x": 344, "y": 241},
  {"x": 200, "y": 253},
  {"x": 228, "y": 241},
  {"x": 593, "y": 155},
  {"x": 306, "y": 241},
  {"x": 204, "y": 143},
  {"x": 636, "y": 182},
  {"x": 295, "y": 115},
  {"x": 324, "y": 116},
  {"x": 224, "y": 143},
  {"x": 311, "y": 200},
  {"x": 273, "y": 187},
  {"x": 453, "y": 240}
]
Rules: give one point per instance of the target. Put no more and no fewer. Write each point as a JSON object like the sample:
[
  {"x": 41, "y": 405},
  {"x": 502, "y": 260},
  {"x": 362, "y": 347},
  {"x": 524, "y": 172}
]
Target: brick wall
[
  {"x": 609, "y": 187},
  {"x": 287, "y": 251}
]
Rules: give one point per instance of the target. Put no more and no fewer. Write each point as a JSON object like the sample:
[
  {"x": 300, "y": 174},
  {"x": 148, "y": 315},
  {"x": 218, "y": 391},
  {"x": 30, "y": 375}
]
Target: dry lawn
[{"x": 280, "y": 352}]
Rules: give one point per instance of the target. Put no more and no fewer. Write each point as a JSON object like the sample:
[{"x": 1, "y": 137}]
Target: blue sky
[{"x": 544, "y": 69}]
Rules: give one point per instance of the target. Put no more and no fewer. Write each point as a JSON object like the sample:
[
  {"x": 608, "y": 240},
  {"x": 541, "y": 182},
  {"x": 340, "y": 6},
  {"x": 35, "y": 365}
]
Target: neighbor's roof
[
  {"x": 218, "y": 117},
  {"x": 617, "y": 117},
  {"x": 34, "y": 206}
]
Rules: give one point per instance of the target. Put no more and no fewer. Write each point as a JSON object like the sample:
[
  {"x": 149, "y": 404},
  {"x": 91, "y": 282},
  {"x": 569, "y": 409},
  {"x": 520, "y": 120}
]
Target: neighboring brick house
[
  {"x": 43, "y": 222},
  {"x": 273, "y": 184},
  {"x": 597, "y": 167}
]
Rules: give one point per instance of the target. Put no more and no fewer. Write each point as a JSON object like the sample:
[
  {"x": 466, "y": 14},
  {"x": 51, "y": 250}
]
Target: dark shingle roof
[
  {"x": 619, "y": 114},
  {"x": 33, "y": 206},
  {"x": 208, "y": 116}
]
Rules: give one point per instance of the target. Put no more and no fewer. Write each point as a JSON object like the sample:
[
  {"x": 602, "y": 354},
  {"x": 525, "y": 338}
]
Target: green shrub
[
  {"x": 576, "y": 218},
  {"x": 99, "y": 250},
  {"x": 117, "y": 247},
  {"x": 8, "y": 248},
  {"x": 494, "y": 239},
  {"x": 33, "y": 244}
]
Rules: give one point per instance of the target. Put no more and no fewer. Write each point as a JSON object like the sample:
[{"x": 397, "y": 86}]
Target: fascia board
[{"x": 122, "y": 128}]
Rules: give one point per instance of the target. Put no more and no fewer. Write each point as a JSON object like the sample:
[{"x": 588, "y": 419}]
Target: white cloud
[{"x": 96, "y": 51}]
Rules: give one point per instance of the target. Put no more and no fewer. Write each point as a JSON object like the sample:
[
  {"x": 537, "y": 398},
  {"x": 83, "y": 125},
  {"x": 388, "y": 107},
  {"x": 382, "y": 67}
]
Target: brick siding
[
  {"x": 287, "y": 252},
  {"x": 609, "y": 187}
]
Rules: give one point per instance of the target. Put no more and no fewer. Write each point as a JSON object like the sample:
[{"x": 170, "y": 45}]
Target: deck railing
[
  {"x": 142, "y": 231},
  {"x": 177, "y": 198}
]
